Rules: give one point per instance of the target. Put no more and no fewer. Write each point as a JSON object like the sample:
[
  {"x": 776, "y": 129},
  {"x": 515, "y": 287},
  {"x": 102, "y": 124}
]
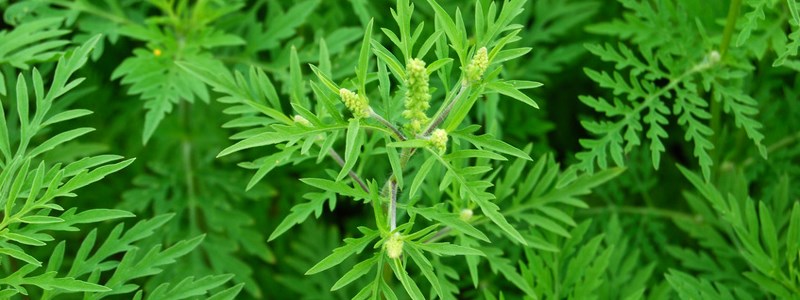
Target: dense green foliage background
[{"x": 661, "y": 162}]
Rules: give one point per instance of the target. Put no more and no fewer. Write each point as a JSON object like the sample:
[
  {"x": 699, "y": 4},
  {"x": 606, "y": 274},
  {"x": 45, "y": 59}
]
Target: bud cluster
[
  {"x": 478, "y": 65},
  {"x": 300, "y": 120},
  {"x": 357, "y": 104},
  {"x": 417, "y": 95},
  {"x": 394, "y": 246},
  {"x": 438, "y": 140}
]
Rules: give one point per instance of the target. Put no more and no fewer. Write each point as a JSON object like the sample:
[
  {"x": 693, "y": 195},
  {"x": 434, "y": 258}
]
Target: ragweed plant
[{"x": 439, "y": 189}]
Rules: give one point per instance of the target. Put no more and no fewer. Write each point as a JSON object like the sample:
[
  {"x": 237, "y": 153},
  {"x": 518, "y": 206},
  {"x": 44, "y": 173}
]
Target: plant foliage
[{"x": 409, "y": 149}]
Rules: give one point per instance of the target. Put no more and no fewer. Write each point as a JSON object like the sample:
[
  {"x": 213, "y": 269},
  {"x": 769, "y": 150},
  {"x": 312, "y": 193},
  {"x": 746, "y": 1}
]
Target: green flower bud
[
  {"x": 394, "y": 246},
  {"x": 417, "y": 95},
  {"x": 477, "y": 66},
  {"x": 438, "y": 140},
  {"x": 298, "y": 119},
  {"x": 357, "y": 104},
  {"x": 465, "y": 214}
]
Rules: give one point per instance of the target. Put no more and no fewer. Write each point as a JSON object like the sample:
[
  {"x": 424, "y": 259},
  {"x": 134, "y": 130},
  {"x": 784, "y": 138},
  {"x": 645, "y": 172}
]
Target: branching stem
[
  {"x": 445, "y": 112},
  {"x": 388, "y": 124},
  {"x": 406, "y": 155},
  {"x": 338, "y": 158}
]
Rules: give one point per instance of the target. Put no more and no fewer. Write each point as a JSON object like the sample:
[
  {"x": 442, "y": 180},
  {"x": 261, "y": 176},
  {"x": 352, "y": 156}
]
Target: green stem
[
  {"x": 645, "y": 211},
  {"x": 776, "y": 146},
  {"x": 186, "y": 151},
  {"x": 407, "y": 153},
  {"x": 716, "y": 126},
  {"x": 716, "y": 111},
  {"x": 730, "y": 26}
]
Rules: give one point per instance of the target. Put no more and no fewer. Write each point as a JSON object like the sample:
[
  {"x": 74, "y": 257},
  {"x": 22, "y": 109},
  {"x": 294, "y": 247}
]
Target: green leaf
[
  {"x": 394, "y": 162},
  {"x": 228, "y": 294},
  {"x": 59, "y": 139},
  {"x": 352, "y": 148},
  {"x": 21, "y": 238},
  {"x": 189, "y": 287},
  {"x": 36, "y": 39},
  {"x": 508, "y": 89},
  {"x": 48, "y": 281},
  {"x": 389, "y": 59},
  {"x": 5, "y": 144},
  {"x": 336, "y": 187},
  {"x": 489, "y": 142},
  {"x": 425, "y": 266},
  {"x": 66, "y": 115},
  {"x": 22, "y": 103},
  {"x": 363, "y": 59},
  {"x": 86, "y": 178},
  {"x": 271, "y": 138},
  {"x": 452, "y": 220},
  {"x": 100, "y": 215},
  {"x": 40, "y": 220},
  {"x": 299, "y": 213},
  {"x": 453, "y": 34},
  {"x": 491, "y": 210},
  {"x": 448, "y": 249},
  {"x": 359, "y": 270},
  {"x": 411, "y": 287},
  {"x": 325, "y": 80},
  {"x": 296, "y": 80},
  {"x": 768, "y": 232},
  {"x": 20, "y": 256},
  {"x": 269, "y": 163},
  {"x": 423, "y": 172},
  {"x": 793, "y": 234},
  {"x": 413, "y": 143},
  {"x": 436, "y": 65},
  {"x": 352, "y": 246}
]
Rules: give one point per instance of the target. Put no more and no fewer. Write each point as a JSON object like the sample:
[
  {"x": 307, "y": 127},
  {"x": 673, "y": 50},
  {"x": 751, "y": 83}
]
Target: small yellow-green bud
[
  {"x": 418, "y": 95},
  {"x": 298, "y": 119},
  {"x": 394, "y": 246},
  {"x": 357, "y": 104},
  {"x": 465, "y": 214},
  {"x": 438, "y": 140},
  {"x": 714, "y": 57},
  {"x": 477, "y": 66}
]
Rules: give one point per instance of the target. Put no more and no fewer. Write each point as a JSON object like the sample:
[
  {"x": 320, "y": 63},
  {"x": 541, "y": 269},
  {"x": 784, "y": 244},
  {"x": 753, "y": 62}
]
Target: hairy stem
[
  {"x": 338, "y": 158},
  {"x": 444, "y": 113},
  {"x": 388, "y": 124},
  {"x": 407, "y": 153},
  {"x": 392, "y": 204}
]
